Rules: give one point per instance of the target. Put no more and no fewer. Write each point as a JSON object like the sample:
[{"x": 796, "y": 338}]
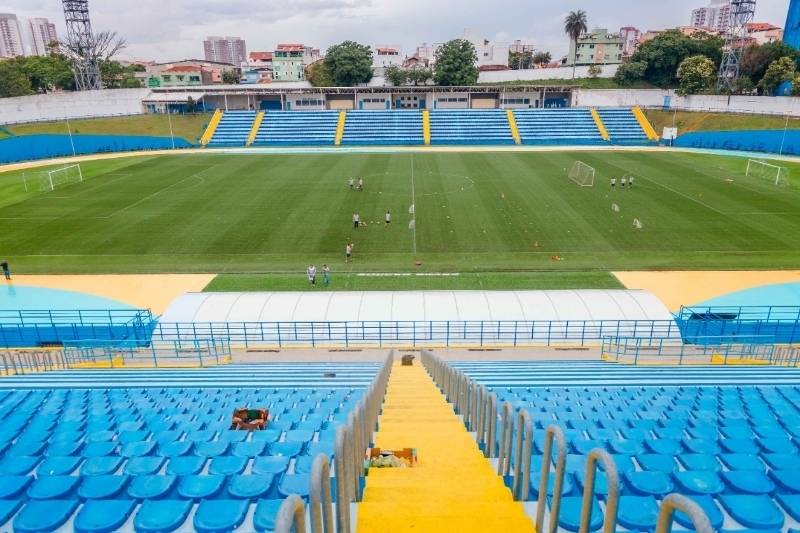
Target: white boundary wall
[
  {"x": 561, "y": 73},
  {"x": 762, "y": 105},
  {"x": 86, "y": 104}
]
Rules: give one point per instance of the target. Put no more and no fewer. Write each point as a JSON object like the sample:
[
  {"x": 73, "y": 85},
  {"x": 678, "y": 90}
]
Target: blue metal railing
[
  {"x": 765, "y": 349},
  {"x": 740, "y": 323},
  {"x": 100, "y": 352}
]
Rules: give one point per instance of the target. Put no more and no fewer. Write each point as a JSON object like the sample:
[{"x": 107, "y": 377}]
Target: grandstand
[
  {"x": 622, "y": 126},
  {"x": 383, "y": 128},
  {"x": 297, "y": 128},
  {"x": 557, "y": 126},
  {"x": 470, "y": 127},
  {"x": 233, "y": 129}
]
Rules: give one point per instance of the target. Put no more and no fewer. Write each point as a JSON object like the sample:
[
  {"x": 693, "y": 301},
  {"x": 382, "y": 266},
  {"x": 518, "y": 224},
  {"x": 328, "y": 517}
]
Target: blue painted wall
[
  {"x": 746, "y": 140},
  {"x": 31, "y": 147},
  {"x": 791, "y": 33}
]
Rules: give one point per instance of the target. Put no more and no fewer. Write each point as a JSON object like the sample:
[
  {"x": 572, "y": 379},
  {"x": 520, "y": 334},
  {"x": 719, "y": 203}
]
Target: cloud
[{"x": 173, "y": 29}]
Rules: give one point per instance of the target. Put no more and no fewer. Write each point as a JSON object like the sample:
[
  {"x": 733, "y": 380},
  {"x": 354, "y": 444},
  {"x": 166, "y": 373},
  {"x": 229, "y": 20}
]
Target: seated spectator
[{"x": 247, "y": 419}]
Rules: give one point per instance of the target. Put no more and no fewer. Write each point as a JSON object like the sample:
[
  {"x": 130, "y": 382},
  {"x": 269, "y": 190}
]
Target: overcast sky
[{"x": 174, "y": 29}]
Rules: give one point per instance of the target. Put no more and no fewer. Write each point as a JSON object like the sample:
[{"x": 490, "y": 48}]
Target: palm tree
[
  {"x": 575, "y": 26},
  {"x": 542, "y": 58}
]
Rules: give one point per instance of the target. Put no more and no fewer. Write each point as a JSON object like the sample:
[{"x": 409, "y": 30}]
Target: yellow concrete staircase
[
  {"x": 251, "y": 138},
  {"x": 212, "y": 127},
  {"x": 426, "y": 127},
  {"x": 340, "y": 128},
  {"x": 644, "y": 123},
  {"x": 512, "y": 124},
  {"x": 452, "y": 488},
  {"x": 600, "y": 126}
]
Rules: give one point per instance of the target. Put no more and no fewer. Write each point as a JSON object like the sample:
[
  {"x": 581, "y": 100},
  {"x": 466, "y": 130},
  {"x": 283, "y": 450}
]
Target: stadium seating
[
  {"x": 557, "y": 126},
  {"x": 93, "y": 458},
  {"x": 233, "y": 129},
  {"x": 622, "y": 126},
  {"x": 466, "y": 126},
  {"x": 297, "y": 128},
  {"x": 383, "y": 127},
  {"x": 725, "y": 436}
]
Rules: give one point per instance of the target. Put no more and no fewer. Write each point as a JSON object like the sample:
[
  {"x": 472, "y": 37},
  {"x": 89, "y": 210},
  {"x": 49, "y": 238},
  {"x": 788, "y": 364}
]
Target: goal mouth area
[{"x": 582, "y": 174}]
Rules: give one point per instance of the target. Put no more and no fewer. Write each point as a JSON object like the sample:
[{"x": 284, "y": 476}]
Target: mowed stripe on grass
[{"x": 474, "y": 212}]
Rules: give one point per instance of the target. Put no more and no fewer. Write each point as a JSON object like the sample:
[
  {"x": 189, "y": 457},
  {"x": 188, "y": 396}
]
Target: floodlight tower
[
  {"x": 791, "y": 32},
  {"x": 742, "y": 13},
  {"x": 81, "y": 42}
]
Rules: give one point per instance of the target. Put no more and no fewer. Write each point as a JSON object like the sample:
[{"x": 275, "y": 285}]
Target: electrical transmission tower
[
  {"x": 81, "y": 44},
  {"x": 742, "y": 12}
]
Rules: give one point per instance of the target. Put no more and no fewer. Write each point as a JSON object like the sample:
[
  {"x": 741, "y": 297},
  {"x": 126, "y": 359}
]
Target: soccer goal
[
  {"x": 775, "y": 174},
  {"x": 582, "y": 174},
  {"x": 60, "y": 177}
]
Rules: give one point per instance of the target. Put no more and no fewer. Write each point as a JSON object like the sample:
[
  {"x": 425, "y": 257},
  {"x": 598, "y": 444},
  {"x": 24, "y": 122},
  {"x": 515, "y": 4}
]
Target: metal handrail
[
  {"x": 612, "y": 482},
  {"x": 677, "y": 502},
  {"x": 344, "y": 470},
  {"x": 320, "y": 496},
  {"x": 522, "y": 457},
  {"x": 490, "y": 423},
  {"x": 506, "y": 430},
  {"x": 291, "y": 516},
  {"x": 552, "y": 432}
]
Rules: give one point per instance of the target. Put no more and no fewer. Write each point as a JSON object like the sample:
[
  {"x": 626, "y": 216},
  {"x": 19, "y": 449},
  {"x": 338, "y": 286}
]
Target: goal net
[
  {"x": 60, "y": 177},
  {"x": 775, "y": 174},
  {"x": 582, "y": 174}
]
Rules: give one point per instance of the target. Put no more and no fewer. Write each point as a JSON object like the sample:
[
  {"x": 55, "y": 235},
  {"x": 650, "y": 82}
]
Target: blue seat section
[
  {"x": 297, "y": 128},
  {"x": 557, "y": 126},
  {"x": 383, "y": 127},
  {"x": 731, "y": 447},
  {"x": 470, "y": 126},
  {"x": 622, "y": 126},
  {"x": 233, "y": 129},
  {"x": 164, "y": 458}
]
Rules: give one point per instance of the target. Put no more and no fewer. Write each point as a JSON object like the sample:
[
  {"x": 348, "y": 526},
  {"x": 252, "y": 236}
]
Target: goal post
[
  {"x": 775, "y": 174},
  {"x": 60, "y": 177},
  {"x": 582, "y": 174}
]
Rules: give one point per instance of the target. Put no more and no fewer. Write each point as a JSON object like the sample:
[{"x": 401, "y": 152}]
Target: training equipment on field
[
  {"x": 61, "y": 177},
  {"x": 775, "y": 174},
  {"x": 615, "y": 208},
  {"x": 413, "y": 224},
  {"x": 582, "y": 174},
  {"x": 637, "y": 223},
  {"x": 411, "y": 210}
]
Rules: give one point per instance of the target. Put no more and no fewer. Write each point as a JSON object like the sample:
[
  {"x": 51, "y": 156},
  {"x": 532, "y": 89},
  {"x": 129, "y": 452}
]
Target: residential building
[
  {"x": 230, "y": 50},
  {"x": 518, "y": 47},
  {"x": 716, "y": 16},
  {"x": 182, "y": 76},
  {"x": 42, "y": 34},
  {"x": 10, "y": 36},
  {"x": 210, "y": 72},
  {"x": 386, "y": 55},
  {"x": 310, "y": 55},
  {"x": 630, "y": 40},
  {"x": 764, "y": 32},
  {"x": 288, "y": 62},
  {"x": 424, "y": 56},
  {"x": 598, "y": 47},
  {"x": 259, "y": 67},
  {"x": 489, "y": 52}
]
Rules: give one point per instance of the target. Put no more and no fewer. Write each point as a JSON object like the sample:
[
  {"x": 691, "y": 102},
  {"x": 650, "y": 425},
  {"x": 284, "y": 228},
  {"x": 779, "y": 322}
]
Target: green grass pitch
[{"x": 493, "y": 213}]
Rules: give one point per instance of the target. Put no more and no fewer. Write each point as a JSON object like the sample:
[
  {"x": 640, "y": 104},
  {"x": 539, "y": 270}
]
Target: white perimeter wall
[
  {"x": 562, "y": 73},
  {"x": 765, "y": 105},
  {"x": 86, "y": 104}
]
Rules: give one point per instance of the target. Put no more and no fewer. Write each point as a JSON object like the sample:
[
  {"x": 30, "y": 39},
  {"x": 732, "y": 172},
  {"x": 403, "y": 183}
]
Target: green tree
[
  {"x": 757, "y": 58},
  {"x": 13, "y": 81},
  {"x": 456, "y": 63},
  {"x": 595, "y": 71},
  {"x": 396, "y": 75},
  {"x": 629, "y": 73},
  {"x": 542, "y": 58},
  {"x": 230, "y": 77},
  {"x": 319, "y": 75},
  {"x": 520, "y": 60},
  {"x": 350, "y": 63},
  {"x": 575, "y": 25},
  {"x": 419, "y": 75},
  {"x": 696, "y": 74},
  {"x": 663, "y": 54},
  {"x": 779, "y": 71},
  {"x": 112, "y": 74}
]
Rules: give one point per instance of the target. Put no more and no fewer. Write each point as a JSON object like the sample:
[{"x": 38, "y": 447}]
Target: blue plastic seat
[
  {"x": 789, "y": 502},
  {"x": 748, "y": 482},
  {"x": 700, "y": 461},
  {"x": 175, "y": 448},
  {"x": 99, "y": 449},
  {"x": 777, "y": 445},
  {"x": 265, "y": 514},
  {"x": 638, "y": 513},
  {"x": 211, "y": 448},
  {"x": 53, "y": 487},
  {"x": 227, "y": 465},
  {"x": 220, "y": 516},
  {"x": 664, "y": 446},
  {"x": 202, "y": 435},
  {"x": 788, "y": 481},
  {"x": 186, "y": 465},
  {"x": 267, "y": 435},
  {"x": 104, "y": 516},
  {"x": 200, "y": 486},
  {"x": 98, "y": 466},
  {"x": 144, "y": 466},
  {"x": 742, "y": 461},
  {"x": 101, "y": 436},
  {"x": 321, "y": 447},
  {"x": 232, "y": 436},
  {"x": 569, "y": 517},
  {"x": 63, "y": 448},
  {"x": 250, "y": 487},
  {"x": 161, "y": 516},
  {"x": 535, "y": 480},
  {"x": 739, "y": 445},
  {"x": 757, "y": 512},
  {"x": 58, "y": 466},
  {"x": 288, "y": 449},
  {"x": 129, "y": 436},
  {"x": 138, "y": 448},
  {"x": 649, "y": 483},
  {"x": 18, "y": 466},
  {"x": 304, "y": 463},
  {"x": 698, "y": 482},
  {"x": 294, "y": 484},
  {"x": 8, "y": 508},
  {"x": 151, "y": 487},
  {"x": 584, "y": 446},
  {"x": 102, "y": 487},
  {"x": 299, "y": 435},
  {"x": 26, "y": 448},
  {"x": 249, "y": 449},
  {"x": 702, "y": 446},
  {"x": 12, "y": 487},
  {"x": 782, "y": 461},
  {"x": 655, "y": 462},
  {"x": 270, "y": 465},
  {"x": 626, "y": 446},
  {"x": 44, "y": 515}
]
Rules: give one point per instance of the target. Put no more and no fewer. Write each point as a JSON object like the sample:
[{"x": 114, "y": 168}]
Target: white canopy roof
[{"x": 321, "y": 306}]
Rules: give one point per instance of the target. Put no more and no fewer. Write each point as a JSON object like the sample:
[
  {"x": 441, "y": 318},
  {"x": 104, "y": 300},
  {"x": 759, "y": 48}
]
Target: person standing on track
[
  {"x": 311, "y": 272},
  {"x": 6, "y": 270}
]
